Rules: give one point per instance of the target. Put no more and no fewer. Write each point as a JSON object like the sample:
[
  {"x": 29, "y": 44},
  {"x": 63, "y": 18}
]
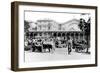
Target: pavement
[{"x": 58, "y": 54}]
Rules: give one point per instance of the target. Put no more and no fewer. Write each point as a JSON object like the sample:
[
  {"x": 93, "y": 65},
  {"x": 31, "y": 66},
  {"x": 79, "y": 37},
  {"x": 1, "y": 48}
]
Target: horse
[{"x": 47, "y": 46}]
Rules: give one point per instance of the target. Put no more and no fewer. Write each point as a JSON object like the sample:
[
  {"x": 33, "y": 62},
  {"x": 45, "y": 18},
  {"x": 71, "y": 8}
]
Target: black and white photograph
[
  {"x": 51, "y": 36},
  {"x": 54, "y": 36}
]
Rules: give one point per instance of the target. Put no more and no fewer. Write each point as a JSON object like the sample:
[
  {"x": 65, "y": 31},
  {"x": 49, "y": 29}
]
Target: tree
[
  {"x": 87, "y": 32},
  {"x": 85, "y": 27},
  {"x": 81, "y": 24},
  {"x": 26, "y": 26}
]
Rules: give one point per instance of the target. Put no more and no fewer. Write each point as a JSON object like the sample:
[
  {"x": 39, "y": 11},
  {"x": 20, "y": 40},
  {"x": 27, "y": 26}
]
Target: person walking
[{"x": 69, "y": 46}]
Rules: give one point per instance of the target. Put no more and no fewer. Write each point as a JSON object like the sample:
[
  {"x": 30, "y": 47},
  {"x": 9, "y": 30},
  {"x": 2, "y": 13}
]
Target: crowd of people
[
  {"x": 48, "y": 45},
  {"x": 39, "y": 45}
]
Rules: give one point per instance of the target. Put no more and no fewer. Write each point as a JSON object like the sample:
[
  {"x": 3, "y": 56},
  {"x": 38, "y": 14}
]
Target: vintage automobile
[
  {"x": 79, "y": 46},
  {"x": 60, "y": 44}
]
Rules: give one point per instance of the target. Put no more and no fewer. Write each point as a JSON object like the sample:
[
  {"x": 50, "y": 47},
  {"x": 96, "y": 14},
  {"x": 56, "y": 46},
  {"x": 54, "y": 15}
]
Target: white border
[{"x": 22, "y": 64}]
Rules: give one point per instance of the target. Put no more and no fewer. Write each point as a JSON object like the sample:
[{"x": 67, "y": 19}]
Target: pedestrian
[
  {"x": 69, "y": 48},
  {"x": 33, "y": 47}
]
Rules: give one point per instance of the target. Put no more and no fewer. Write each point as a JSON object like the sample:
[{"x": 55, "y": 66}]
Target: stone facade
[{"x": 51, "y": 25}]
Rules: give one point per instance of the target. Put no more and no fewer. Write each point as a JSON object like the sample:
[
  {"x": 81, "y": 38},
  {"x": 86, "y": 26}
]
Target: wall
[{"x": 5, "y": 31}]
